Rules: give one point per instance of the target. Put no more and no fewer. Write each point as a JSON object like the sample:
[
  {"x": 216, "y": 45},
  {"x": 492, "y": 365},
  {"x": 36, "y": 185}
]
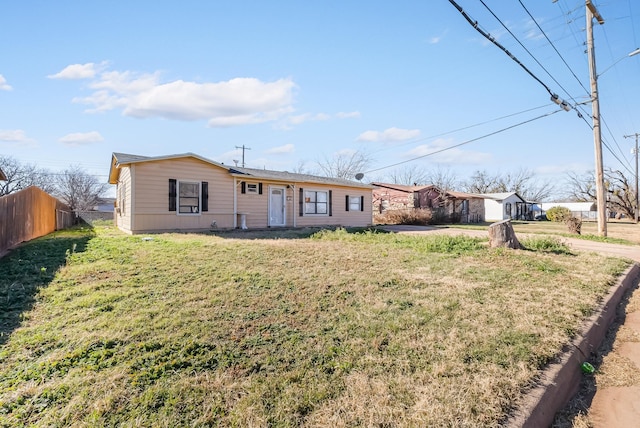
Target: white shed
[{"x": 503, "y": 206}]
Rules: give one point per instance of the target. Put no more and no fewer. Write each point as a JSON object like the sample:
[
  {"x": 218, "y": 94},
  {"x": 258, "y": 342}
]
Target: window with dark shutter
[
  {"x": 361, "y": 203},
  {"x": 172, "y": 194},
  {"x": 330, "y": 207},
  {"x": 205, "y": 195},
  {"x": 243, "y": 187},
  {"x": 259, "y": 188},
  {"x": 346, "y": 206}
]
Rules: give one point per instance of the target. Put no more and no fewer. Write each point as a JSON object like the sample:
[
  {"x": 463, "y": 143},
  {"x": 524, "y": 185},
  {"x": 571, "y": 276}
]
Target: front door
[{"x": 276, "y": 206}]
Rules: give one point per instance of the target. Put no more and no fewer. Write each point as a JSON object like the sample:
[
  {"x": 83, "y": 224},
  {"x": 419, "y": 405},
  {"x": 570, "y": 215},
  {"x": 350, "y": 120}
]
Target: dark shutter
[
  {"x": 330, "y": 208},
  {"x": 259, "y": 188},
  {"x": 243, "y": 187},
  {"x": 172, "y": 194},
  {"x": 205, "y": 196},
  {"x": 361, "y": 203},
  {"x": 301, "y": 202},
  {"x": 346, "y": 205}
]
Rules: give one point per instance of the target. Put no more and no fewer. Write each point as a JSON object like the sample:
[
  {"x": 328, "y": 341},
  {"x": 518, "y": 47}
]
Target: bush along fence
[{"x": 29, "y": 214}]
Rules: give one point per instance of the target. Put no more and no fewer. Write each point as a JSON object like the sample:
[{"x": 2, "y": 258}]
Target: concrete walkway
[{"x": 610, "y": 406}]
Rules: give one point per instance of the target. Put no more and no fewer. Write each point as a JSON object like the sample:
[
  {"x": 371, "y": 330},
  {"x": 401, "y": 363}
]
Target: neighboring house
[
  {"x": 388, "y": 196},
  {"x": 509, "y": 205},
  {"x": 189, "y": 192},
  {"x": 469, "y": 206},
  {"x": 450, "y": 206},
  {"x": 578, "y": 209},
  {"x": 2, "y": 176}
]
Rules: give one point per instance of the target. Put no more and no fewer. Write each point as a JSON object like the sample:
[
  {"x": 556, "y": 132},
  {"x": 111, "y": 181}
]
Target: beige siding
[
  {"x": 123, "y": 200},
  {"x": 152, "y": 195},
  {"x": 340, "y": 216}
]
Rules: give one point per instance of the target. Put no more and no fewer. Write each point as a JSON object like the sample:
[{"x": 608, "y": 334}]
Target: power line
[
  {"x": 492, "y": 39},
  {"x": 465, "y": 142},
  {"x": 460, "y": 129},
  {"x": 555, "y": 49}
]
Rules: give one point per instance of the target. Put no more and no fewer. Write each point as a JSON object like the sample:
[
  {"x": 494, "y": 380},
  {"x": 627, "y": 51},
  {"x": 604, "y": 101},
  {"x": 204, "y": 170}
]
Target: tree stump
[{"x": 501, "y": 234}]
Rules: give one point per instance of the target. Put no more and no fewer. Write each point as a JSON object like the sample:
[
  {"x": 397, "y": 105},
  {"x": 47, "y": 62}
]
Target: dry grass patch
[{"x": 339, "y": 329}]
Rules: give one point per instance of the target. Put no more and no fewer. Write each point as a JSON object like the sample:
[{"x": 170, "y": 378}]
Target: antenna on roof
[
  {"x": 359, "y": 176},
  {"x": 243, "y": 149},
  {"x": 236, "y": 161}
]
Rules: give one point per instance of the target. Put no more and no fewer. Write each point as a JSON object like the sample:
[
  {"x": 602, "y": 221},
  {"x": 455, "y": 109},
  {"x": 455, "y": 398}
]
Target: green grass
[{"x": 335, "y": 328}]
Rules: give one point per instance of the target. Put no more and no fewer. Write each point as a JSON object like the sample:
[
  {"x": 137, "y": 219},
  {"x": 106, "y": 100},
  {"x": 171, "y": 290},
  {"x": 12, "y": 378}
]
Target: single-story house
[
  {"x": 449, "y": 205},
  {"x": 508, "y": 205},
  {"x": 187, "y": 192}
]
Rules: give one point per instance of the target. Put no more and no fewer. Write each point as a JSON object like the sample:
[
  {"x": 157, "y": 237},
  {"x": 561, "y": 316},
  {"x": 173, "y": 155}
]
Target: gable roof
[
  {"x": 284, "y": 176},
  {"x": 500, "y": 196}
]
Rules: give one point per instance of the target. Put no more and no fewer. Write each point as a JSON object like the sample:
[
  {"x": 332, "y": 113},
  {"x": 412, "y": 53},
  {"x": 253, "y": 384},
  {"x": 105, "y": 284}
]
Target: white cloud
[
  {"x": 287, "y": 148},
  {"x": 4, "y": 86},
  {"x": 78, "y": 71},
  {"x": 390, "y": 135},
  {"x": 348, "y": 115},
  {"x": 441, "y": 151},
  {"x": 234, "y": 102},
  {"x": 15, "y": 136},
  {"x": 81, "y": 138}
]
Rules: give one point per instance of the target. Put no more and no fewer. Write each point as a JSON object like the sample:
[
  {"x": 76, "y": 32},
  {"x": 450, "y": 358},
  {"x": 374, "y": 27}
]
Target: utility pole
[
  {"x": 592, "y": 12},
  {"x": 243, "y": 149},
  {"x": 635, "y": 151}
]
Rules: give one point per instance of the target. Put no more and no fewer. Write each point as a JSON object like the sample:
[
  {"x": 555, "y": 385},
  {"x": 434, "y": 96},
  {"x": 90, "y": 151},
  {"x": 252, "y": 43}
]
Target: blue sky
[{"x": 301, "y": 81}]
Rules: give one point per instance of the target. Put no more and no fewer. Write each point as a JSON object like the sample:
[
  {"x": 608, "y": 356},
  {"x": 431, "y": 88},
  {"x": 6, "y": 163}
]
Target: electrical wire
[
  {"x": 395, "y": 146},
  {"x": 555, "y": 49},
  {"x": 465, "y": 142},
  {"x": 492, "y": 39}
]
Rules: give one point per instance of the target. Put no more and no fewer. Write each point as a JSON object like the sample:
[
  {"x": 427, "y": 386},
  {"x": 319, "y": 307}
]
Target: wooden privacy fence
[{"x": 29, "y": 214}]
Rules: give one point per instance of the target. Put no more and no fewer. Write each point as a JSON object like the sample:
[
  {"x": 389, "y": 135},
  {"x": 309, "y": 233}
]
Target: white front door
[{"x": 276, "y": 206}]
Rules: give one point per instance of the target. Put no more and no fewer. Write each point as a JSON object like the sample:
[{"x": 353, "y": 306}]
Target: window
[
  {"x": 354, "y": 203},
  {"x": 316, "y": 202},
  {"x": 507, "y": 208},
  {"x": 255, "y": 188},
  {"x": 188, "y": 197}
]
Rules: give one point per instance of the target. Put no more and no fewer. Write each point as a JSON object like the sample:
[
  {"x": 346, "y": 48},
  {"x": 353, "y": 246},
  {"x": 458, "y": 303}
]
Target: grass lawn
[{"x": 337, "y": 329}]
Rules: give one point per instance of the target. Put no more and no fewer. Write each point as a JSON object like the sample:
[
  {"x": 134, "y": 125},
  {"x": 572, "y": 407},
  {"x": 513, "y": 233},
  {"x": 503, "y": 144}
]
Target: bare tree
[
  {"x": 619, "y": 190},
  {"x": 581, "y": 187},
  {"x": 408, "y": 176},
  {"x": 21, "y": 175},
  {"x": 344, "y": 164},
  {"x": 443, "y": 179},
  {"x": 78, "y": 189},
  {"x": 523, "y": 182}
]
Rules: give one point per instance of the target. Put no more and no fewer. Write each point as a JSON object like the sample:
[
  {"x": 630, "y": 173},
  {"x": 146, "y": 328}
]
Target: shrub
[
  {"x": 558, "y": 214},
  {"x": 414, "y": 216}
]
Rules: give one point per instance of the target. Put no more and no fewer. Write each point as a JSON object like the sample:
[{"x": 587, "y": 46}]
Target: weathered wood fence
[{"x": 29, "y": 214}]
